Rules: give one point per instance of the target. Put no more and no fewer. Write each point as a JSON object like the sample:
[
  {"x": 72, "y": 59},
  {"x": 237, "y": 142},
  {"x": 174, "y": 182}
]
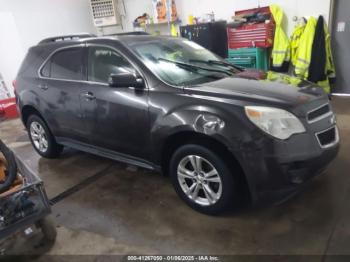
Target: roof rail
[
  {"x": 66, "y": 38},
  {"x": 131, "y": 33}
]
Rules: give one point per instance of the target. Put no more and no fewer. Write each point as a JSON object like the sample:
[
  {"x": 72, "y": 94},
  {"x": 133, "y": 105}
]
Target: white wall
[
  {"x": 35, "y": 20},
  {"x": 11, "y": 50},
  {"x": 135, "y": 8},
  {"x": 225, "y": 9}
]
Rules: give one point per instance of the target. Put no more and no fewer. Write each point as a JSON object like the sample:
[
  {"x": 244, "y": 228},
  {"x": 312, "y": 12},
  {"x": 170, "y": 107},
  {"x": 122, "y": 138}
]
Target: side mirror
[{"x": 126, "y": 80}]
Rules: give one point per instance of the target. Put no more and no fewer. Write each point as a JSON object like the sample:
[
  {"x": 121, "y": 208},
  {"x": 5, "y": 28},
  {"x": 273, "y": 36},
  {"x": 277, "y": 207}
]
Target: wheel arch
[
  {"x": 173, "y": 142},
  {"x": 29, "y": 110}
]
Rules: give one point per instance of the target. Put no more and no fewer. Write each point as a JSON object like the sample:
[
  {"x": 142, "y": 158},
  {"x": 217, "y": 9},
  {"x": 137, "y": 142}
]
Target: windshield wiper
[
  {"x": 194, "y": 67},
  {"x": 217, "y": 62}
]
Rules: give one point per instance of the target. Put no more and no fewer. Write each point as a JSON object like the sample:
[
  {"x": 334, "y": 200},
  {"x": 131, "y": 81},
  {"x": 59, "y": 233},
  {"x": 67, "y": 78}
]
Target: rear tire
[
  {"x": 42, "y": 139},
  {"x": 202, "y": 179}
]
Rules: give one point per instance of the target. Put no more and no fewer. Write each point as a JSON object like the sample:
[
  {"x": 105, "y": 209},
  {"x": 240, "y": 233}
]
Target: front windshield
[{"x": 180, "y": 62}]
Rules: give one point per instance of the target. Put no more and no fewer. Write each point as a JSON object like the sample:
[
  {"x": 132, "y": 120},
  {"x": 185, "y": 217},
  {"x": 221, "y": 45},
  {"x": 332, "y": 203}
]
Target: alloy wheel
[
  {"x": 39, "y": 137},
  {"x": 199, "y": 180}
]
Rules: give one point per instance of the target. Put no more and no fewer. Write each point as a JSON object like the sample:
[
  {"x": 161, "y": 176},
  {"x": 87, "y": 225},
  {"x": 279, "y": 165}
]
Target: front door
[{"x": 116, "y": 118}]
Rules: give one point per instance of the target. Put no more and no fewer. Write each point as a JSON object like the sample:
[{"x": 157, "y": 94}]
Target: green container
[
  {"x": 249, "y": 57},
  {"x": 247, "y": 62}
]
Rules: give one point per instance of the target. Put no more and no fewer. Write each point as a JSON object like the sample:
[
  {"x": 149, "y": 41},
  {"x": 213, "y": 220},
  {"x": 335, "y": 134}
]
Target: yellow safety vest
[
  {"x": 281, "y": 46},
  {"x": 304, "y": 53},
  {"x": 330, "y": 68},
  {"x": 283, "y": 78},
  {"x": 295, "y": 41},
  {"x": 303, "y": 56}
]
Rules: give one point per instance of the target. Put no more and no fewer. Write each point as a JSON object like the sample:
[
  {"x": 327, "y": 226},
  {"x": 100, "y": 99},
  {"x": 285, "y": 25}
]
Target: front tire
[
  {"x": 202, "y": 179},
  {"x": 41, "y": 138}
]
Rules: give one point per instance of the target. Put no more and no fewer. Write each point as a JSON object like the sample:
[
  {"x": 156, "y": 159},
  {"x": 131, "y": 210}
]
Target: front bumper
[
  {"x": 276, "y": 169},
  {"x": 293, "y": 176}
]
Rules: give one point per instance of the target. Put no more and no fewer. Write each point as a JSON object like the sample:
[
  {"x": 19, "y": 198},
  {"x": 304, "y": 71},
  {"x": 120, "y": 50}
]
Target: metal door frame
[{"x": 331, "y": 22}]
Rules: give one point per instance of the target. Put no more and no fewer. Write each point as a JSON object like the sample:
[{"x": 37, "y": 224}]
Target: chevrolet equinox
[{"x": 170, "y": 105}]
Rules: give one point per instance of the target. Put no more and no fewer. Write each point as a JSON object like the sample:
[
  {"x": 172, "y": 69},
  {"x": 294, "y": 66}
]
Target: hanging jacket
[
  {"x": 303, "y": 56},
  {"x": 321, "y": 66},
  {"x": 317, "y": 69},
  {"x": 330, "y": 68},
  {"x": 281, "y": 46},
  {"x": 295, "y": 41}
]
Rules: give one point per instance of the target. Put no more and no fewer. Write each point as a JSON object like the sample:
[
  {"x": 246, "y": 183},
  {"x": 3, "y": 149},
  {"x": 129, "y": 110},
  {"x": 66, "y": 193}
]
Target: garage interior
[{"x": 105, "y": 209}]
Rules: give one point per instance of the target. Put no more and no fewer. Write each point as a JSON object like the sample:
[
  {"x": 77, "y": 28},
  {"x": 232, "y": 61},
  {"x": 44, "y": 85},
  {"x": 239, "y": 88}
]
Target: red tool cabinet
[{"x": 254, "y": 35}]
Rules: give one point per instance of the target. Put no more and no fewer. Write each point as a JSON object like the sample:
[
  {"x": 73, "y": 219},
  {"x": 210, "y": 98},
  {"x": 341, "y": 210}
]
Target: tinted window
[
  {"x": 103, "y": 62},
  {"x": 66, "y": 64}
]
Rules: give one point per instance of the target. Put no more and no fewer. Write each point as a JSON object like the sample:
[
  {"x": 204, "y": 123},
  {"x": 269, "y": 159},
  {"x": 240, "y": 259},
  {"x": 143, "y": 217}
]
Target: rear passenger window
[
  {"x": 66, "y": 64},
  {"x": 103, "y": 62}
]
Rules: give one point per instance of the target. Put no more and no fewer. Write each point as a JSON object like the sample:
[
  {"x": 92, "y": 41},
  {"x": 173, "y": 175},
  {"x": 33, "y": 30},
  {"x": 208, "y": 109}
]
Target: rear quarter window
[{"x": 46, "y": 70}]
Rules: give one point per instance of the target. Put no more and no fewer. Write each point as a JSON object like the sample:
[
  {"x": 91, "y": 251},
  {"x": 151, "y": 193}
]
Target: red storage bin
[
  {"x": 8, "y": 108},
  {"x": 255, "y": 35}
]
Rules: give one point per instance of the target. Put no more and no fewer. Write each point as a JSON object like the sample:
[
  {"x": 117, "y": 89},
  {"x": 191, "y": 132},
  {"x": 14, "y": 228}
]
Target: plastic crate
[
  {"x": 258, "y": 35},
  {"x": 259, "y": 55}
]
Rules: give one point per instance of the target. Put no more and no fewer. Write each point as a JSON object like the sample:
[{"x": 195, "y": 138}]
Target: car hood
[{"x": 261, "y": 87}]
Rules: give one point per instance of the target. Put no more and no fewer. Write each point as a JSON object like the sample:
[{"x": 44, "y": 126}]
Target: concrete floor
[{"x": 133, "y": 211}]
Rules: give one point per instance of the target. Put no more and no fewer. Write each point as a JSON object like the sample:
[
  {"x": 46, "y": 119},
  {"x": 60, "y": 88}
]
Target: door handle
[
  {"x": 89, "y": 96},
  {"x": 43, "y": 87}
]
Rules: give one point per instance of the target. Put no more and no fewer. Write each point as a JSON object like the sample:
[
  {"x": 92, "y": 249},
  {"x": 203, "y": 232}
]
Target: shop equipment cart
[{"x": 23, "y": 200}]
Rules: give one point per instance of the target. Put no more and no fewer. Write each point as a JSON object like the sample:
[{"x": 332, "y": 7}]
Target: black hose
[{"x": 11, "y": 168}]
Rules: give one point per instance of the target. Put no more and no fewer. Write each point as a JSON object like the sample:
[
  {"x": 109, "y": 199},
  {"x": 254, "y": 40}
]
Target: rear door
[
  {"x": 116, "y": 118},
  {"x": 61, "y": 80}
]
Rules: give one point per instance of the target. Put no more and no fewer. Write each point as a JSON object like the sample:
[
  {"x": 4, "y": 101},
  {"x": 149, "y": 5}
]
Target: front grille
[
  {"x": 319, "y": 113},
  {"x": 328, "y": 138}
]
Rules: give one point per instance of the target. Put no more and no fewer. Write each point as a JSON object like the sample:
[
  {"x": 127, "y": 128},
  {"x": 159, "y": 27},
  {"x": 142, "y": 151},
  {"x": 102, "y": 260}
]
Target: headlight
[{"x": 276, "y": 122}]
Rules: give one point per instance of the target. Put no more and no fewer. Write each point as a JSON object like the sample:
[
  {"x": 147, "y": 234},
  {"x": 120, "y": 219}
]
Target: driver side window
[{"x": 103, "y": 62}]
